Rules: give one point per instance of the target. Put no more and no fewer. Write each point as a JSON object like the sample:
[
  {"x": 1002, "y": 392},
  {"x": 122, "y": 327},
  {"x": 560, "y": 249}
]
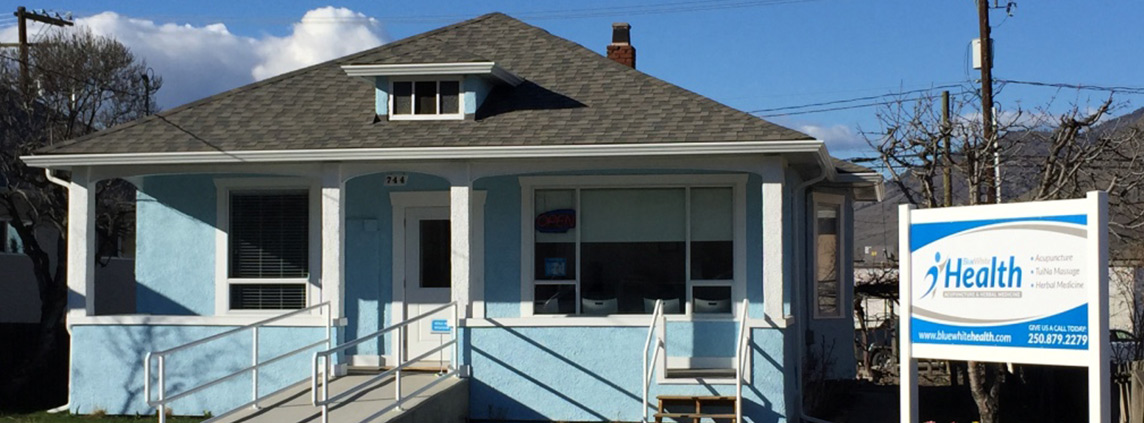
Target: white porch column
[
  {"x": 773, "y": 243},
  {"x": 460, "y": 219},
  {"x": 333, "y": 238},
  {"x": 81, "y": 243}
]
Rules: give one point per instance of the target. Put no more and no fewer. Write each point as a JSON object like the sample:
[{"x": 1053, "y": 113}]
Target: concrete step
[{"x": 294, "y": 406}]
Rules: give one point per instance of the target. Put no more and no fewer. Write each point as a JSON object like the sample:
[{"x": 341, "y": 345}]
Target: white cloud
[
  {"x": 838, "y": 138},
  {"x": 323, "y": 34},
  {"x": 199, "y": 61}
]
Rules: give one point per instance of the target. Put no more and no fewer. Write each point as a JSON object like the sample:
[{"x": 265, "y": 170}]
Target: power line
[
  {"x": 857, "y": 106},
  {"x": 1123, "y": 89},
  {"x": 575, "y": 13},
  {"x": 851, "y": 100},
  {"x": 66, "y": 75}
]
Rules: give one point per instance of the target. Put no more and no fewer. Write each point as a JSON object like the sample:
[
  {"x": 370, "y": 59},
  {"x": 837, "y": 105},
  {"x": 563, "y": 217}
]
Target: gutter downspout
[
  {"x": 800, "y": 265},
  {"x": 67, "y": 186},
  {"x": 53, "y": 179}
]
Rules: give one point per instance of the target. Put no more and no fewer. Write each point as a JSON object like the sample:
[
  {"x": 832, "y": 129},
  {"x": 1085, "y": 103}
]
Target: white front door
[{"x": 427, "y": 281}]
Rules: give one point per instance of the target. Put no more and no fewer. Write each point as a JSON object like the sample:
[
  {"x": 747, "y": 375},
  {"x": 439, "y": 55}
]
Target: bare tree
[
  {"x": 1045, "y": 157},
  {"x": 77, "y": 83}
]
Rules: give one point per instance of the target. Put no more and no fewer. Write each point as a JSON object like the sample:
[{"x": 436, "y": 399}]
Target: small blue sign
[
  {"x": 555, "y": 267},
  {"x": 439, "y": 326}
]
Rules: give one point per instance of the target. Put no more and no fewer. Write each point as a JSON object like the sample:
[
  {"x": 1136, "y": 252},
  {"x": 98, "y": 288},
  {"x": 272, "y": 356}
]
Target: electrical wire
[
  {"x": 851, "y": 100},
  {"x": 574, "y": 13},
  {"x": 1115, "y": 89},
  {"x": 857, "y": 106}
]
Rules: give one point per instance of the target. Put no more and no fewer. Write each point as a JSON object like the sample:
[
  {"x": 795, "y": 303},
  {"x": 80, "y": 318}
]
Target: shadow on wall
[
  {"x": 524, "y": 374},
  {"x": 762, "y": 411},
  {"x": 573, "y": 388},
  {"x": 157, "y": 301}
]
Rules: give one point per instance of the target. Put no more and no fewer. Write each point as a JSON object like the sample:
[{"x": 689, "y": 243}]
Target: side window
[
  {"x": 269, "y": 251},
  {"x": 827, "y": 260}
]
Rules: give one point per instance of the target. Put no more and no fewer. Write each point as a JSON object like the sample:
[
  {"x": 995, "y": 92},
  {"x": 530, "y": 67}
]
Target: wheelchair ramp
[{"x": 445, "y": 402}]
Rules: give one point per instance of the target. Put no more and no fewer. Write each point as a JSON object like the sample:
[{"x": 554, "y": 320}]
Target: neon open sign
[{"x": 556, "y": 221}]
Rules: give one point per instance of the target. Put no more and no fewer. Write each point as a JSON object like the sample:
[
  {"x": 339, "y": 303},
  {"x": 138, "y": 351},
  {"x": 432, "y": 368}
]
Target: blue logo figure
[{"x": 932, "y": 274}]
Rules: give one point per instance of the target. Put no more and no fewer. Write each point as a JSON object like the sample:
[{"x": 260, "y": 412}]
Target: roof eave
[
  {"x": 814, "y": 147},
  {"x": 490, "y": 69},
  {"x": 866, "y": 179}
]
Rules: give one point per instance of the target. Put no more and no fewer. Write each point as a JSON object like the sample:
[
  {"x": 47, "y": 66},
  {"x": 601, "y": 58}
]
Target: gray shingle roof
[
  {"x": 571, "y": 95},
  {"x": 843, "y": 166}
]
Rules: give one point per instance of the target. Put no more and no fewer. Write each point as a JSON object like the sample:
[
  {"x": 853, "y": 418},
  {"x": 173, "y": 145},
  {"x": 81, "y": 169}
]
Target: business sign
[
  {"x": 439, "y": 326},
  {"x": 1009, "y": 283},
  {"x": 556, "y": 221}
]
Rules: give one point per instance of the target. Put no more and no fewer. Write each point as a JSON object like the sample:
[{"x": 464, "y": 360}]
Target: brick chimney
[{"x": 621, "y": 49}]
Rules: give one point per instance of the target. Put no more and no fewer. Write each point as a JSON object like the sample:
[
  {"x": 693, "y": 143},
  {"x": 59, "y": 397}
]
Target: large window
[
  {"x": 616, "y": 250},
  {"x": 268, "y": 249},
  {"x": 426, "y": 99},
  {"x": 827, "y": 245}
]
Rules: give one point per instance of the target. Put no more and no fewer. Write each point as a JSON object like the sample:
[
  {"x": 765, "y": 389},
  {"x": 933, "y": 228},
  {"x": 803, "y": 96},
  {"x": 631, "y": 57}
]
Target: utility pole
[
  {"x": 947, "y": 171},
  {"x": 988, "y": 136},
  {"x": 23, "y": 16}
]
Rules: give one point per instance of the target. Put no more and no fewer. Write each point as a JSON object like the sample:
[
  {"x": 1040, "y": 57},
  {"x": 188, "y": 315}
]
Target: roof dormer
[{"x": 432, "y": 91}]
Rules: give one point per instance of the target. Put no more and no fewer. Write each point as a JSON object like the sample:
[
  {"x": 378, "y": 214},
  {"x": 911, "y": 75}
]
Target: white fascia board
[
  {"x": 873, "y": 179},
  {"x": 435, "y": 153},
  {"x": 433, "y": 69}
]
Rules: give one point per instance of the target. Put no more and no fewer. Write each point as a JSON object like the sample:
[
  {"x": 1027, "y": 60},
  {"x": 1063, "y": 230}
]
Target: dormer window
[
  {"x": 426, "y": 99},
  {"x": 431, "y": 91}
]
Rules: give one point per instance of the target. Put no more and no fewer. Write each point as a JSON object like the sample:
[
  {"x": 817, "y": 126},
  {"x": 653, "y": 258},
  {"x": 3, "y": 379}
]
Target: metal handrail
[
  {"x": 402, "y": 363},
  {"x": 744, "y": 334},
  {"x": 649, "y": 369},
  {"x": 162, "y": 400}
]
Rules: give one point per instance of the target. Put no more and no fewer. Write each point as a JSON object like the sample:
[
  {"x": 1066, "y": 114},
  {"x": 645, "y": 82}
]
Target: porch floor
[{"x": 294, "y": 406}]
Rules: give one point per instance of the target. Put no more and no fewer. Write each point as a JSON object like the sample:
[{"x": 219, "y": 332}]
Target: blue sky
[{"x": 749, "y": 54}]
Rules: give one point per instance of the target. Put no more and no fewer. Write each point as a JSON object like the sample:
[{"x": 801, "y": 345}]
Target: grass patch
[{"x": 44, "y": 417}]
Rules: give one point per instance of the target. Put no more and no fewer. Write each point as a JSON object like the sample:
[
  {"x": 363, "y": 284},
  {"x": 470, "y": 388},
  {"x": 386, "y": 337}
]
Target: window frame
[
  {"x": 223, "y": 281},
  {"x": 839, "y": 201},
  {"x": 736, "y": 182},
  {"x": 460, "y": 115}
]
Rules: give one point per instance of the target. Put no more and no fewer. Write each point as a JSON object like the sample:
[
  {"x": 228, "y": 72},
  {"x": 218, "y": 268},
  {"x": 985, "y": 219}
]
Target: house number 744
[{"x": 395, "y": 179}]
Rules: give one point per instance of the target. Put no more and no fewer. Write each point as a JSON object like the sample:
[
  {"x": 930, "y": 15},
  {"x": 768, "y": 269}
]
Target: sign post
[{"x": 1008, "y": 283}]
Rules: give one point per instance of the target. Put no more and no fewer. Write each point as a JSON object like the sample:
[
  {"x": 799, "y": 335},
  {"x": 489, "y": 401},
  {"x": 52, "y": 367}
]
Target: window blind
[
  {"x": 269, "y": 234},
  {"x": 267, "y": 296}
]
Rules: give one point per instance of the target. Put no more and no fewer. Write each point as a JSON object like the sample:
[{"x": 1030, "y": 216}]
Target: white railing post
[
  {"x": 325, "y": 389},
  {"x": 455, "y": 357},
  {"x": 400, "y": 360},
  {"x": 254, "y": 370},
  {"x": 162, "y": 390},
  {"x": 648, "y": 370},
  {"x": 147, "y": 378},
  {"x": 741, "y": 344}
]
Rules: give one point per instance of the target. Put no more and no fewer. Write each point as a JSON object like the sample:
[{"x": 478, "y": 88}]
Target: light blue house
[{"x": 545, "y": 200}]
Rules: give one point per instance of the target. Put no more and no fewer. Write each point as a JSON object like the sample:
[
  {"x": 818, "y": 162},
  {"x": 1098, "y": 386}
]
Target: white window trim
[
  {"x": 223, "y": 187},
  {"x": 840, "y": 201},
  {"x": 738, "y": 184},
  {"x": 460, "y": 115}
]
